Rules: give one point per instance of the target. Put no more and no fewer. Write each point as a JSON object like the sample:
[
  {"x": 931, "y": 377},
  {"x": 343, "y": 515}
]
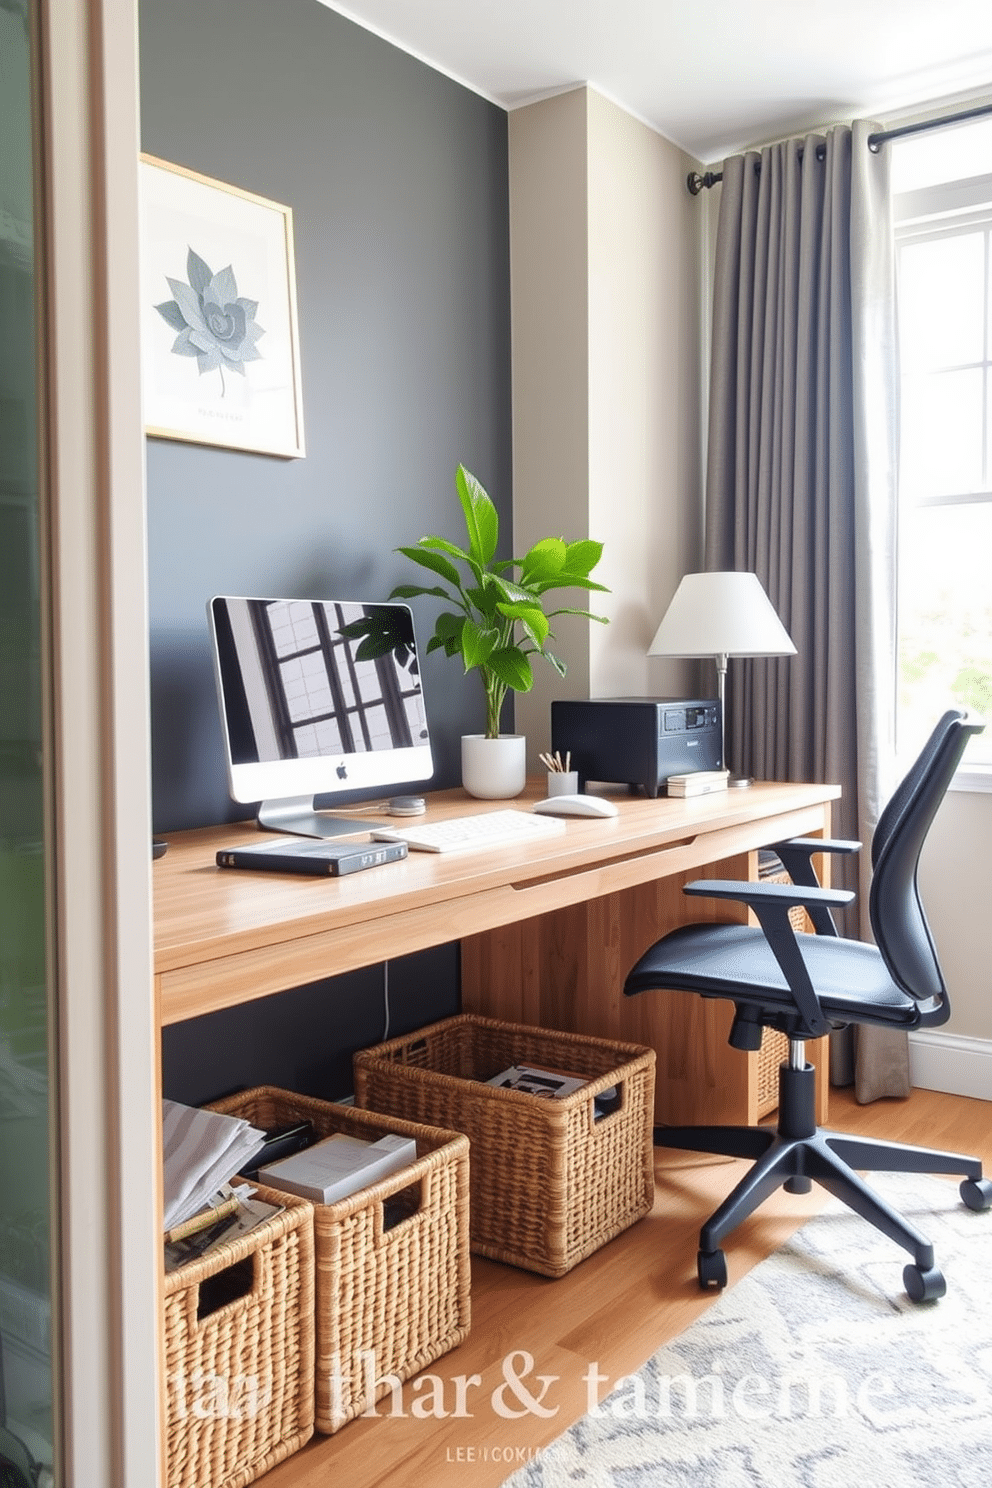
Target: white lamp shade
[{"x": 721, "y": 614}]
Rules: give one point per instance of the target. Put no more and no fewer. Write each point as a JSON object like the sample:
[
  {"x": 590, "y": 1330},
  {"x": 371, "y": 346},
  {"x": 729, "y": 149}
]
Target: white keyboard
[{"x": 460, "y": 833}]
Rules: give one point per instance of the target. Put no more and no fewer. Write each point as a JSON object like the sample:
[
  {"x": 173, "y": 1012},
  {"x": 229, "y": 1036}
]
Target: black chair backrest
[{"x": 898, "y": 922}]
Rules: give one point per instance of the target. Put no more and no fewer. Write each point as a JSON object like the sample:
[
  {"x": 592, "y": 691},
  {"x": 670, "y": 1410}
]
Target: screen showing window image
[
  {"x": 323, "y": 678},
  {"x": 317, "y": 697}
]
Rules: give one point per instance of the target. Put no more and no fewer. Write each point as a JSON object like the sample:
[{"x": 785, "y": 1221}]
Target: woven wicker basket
[
  {"x": 391, "y": 1297},
  {"x": 239, "y": 1353},
  {"x": 552, "y": 1180},
  {"x": 773, "y": 1052}
]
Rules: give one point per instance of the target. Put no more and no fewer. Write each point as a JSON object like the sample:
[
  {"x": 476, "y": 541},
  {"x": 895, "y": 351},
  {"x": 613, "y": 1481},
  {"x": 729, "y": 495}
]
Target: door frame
[{"x": 106, "y": 1038}]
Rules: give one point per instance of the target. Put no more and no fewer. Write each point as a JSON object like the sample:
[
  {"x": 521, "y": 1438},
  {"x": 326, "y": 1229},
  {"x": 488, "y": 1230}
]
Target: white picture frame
[{"x": 219, "y": 336}]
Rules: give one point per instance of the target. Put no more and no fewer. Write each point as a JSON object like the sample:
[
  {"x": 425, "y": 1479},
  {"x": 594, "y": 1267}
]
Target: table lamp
[{"x": 721, "y": 615}]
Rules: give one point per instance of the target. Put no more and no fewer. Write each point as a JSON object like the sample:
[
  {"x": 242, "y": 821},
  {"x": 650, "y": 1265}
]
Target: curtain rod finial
[{"x": 697, "y": 183}]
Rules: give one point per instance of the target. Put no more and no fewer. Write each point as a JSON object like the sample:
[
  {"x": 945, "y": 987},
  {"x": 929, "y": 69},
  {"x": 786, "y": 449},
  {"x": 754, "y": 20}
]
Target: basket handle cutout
[
  {"x": 225, "y": 1287},
  {"x": 609, "y": 1102},
  {"x": 398, "y": 1208}
]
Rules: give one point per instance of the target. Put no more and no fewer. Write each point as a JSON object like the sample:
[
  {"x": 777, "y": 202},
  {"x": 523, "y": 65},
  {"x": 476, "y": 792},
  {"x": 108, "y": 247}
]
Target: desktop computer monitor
[{"x": 316, "y": 697}]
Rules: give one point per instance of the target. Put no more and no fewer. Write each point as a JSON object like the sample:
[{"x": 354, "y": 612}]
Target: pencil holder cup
[{"x": 563, "y": 782}]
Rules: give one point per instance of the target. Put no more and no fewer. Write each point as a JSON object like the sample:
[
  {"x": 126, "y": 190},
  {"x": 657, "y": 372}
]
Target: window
[
  {"x": 323, "y": 697},
  {"x": 944, "y": 269}
]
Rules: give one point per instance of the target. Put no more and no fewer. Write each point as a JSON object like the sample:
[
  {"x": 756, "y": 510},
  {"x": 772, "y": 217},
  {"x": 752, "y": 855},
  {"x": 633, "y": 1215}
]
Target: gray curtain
[{"x": 801, "y": 487}]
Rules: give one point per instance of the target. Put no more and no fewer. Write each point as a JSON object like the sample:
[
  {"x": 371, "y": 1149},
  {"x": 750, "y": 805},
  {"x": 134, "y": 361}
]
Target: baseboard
[{"x": 948, "y": 1062}]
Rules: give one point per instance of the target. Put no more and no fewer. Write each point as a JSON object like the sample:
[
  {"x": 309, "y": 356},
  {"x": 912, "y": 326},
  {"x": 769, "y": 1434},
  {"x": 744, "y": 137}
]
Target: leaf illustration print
[{"x": 215, "y": 324}]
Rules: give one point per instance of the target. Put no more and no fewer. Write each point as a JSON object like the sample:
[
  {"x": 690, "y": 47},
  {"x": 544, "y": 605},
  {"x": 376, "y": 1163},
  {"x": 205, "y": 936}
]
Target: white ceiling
[{"x": 710, "y": 76}]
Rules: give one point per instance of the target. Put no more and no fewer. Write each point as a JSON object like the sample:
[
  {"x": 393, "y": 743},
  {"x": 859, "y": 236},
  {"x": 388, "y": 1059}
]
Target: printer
[{"x": 637, "y": 741}]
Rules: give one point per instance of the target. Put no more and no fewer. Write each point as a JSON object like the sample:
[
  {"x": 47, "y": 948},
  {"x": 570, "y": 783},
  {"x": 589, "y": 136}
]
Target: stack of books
[
  {"x": 338, "y": 1166},
  {"x": 698, "y": 783}
]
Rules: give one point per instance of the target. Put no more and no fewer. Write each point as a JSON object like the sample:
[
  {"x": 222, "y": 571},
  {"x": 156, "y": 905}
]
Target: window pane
[
  {"x": 945, "y": 640},
  {"x": 27, "y": 1191},
  {"x": 941, "y": 423},
  {"x": 921, "y": 160},
  {"x": 941, "y": 284}
]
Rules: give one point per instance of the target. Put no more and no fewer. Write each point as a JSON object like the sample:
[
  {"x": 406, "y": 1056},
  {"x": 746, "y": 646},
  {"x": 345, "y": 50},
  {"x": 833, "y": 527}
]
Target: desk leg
[{"x": 566, "y": 970}]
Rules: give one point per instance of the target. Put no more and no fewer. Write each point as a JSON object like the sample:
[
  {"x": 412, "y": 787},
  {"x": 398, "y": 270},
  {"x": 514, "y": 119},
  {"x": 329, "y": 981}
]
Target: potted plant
[{"x": 498, "y": 620}]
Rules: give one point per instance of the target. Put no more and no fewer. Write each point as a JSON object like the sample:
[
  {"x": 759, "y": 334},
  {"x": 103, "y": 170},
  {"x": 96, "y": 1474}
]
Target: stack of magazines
[{"x": 202, "y": 1150}]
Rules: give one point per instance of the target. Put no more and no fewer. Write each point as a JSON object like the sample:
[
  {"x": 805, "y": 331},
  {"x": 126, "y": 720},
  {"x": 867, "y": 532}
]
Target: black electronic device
[
  {"x": 280, "y": 1142},
  {"x": 311, "y": 856},
  {"x": 637, "y": 741}
]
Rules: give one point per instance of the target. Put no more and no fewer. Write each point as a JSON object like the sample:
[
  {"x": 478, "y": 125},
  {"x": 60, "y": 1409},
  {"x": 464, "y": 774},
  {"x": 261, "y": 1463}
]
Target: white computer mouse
[{"x": 577, "y": 805}]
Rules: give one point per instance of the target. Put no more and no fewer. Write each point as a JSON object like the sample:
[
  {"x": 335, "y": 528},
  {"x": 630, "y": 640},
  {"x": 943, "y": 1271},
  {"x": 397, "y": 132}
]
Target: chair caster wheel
[
  {"x": 977, "y": 1193},
  {"x": 923, "y": 1286},
  {"x": 711, "y": 1268},
  {"x": 798, "y": 1185}
]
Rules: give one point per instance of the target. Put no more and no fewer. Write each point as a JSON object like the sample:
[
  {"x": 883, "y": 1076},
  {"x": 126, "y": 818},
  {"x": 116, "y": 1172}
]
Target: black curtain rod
[{"x": 697, "y": 183}]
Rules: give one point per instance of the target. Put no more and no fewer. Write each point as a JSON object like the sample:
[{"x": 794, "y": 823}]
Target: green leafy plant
[{"x": 499, "y": 619}]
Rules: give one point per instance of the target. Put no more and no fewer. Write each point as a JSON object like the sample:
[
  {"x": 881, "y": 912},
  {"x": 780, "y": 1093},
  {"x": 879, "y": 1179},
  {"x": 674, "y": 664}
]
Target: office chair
[{"x": 806, "y": 984}]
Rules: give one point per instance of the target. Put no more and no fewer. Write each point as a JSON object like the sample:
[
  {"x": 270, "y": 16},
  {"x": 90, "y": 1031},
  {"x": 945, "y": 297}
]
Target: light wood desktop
[{"x": 547, "y": 930}]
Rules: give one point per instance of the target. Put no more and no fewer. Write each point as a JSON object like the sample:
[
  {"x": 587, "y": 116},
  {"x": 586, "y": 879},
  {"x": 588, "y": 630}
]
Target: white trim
[
  {"x": 108, "y": 1068},
  {"x": 945, "y": 198},
  {"x": 952, "y": 1063},
  {"x": 973, "y": 778}
]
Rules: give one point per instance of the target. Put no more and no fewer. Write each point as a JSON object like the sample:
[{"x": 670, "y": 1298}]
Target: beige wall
[
  {"x": 954, "y": 884},
  {"x": 605, "y": 253},
  {"x": 611, "y": 261},
  {"x": 644, "y": 362}
]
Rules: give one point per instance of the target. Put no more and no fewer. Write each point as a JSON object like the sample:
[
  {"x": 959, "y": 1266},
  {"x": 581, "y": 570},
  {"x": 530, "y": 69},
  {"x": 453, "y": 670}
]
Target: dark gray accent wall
[{"x": 397, "y": 178}]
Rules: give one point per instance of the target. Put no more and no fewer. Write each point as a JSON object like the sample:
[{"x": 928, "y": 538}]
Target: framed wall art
[{"x": 220, "y": 346}]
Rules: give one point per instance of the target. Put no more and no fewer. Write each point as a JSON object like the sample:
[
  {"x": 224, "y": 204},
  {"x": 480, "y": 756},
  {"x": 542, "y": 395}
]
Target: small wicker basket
[
  {"x": 552, "y": 1180},
  {"x": 239, "y": 1353},
  {"x": 393, "y": 1276}
]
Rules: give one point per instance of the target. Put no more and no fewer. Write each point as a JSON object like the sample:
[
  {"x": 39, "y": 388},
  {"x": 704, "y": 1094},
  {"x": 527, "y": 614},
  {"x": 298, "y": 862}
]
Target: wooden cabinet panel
[{"x": 566, "y": 969}]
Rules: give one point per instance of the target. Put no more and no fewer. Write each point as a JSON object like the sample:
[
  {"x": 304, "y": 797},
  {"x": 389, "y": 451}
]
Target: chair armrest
[
  {"x": 810, "y": 845},
  {"x": 797, "y": 859},
  {"x": 754, "y": 894},
  {"x": 771, "y": 903}
]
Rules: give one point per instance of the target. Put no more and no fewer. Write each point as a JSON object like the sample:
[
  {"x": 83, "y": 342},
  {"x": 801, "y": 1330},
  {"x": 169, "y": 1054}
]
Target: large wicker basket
[
  {"x": 393, "y": 1271},
  {"x": 552, "y": 1180},
  {"x": 239, "y": 1353}
]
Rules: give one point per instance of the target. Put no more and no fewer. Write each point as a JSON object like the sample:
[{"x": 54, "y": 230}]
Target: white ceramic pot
[{"x": 494, "y": 769}]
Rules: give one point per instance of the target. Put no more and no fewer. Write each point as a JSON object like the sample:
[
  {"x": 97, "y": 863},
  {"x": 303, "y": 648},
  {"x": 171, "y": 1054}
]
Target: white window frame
[{"x": 933, "y": 212}]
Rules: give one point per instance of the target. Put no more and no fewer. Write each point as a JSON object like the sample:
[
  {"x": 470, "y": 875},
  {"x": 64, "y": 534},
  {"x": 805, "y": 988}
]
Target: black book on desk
[{"x": 315, "y": 857}]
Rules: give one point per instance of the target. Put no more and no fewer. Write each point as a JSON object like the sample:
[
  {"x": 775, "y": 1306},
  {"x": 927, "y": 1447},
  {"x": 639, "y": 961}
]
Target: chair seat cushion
[{"x": 736, "y": 962}]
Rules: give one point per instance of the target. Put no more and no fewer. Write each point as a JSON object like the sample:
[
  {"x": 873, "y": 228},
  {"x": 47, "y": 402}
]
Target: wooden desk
[{"x": 547, "y": 930}]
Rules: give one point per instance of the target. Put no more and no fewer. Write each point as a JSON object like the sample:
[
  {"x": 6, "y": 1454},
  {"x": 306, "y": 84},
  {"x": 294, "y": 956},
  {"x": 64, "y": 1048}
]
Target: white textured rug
[{"x": 814, "y": 1371}]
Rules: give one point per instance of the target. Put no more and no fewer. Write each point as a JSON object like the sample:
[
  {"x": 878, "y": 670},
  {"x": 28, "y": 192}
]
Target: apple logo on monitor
[{"x": 342, "y": 772}]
